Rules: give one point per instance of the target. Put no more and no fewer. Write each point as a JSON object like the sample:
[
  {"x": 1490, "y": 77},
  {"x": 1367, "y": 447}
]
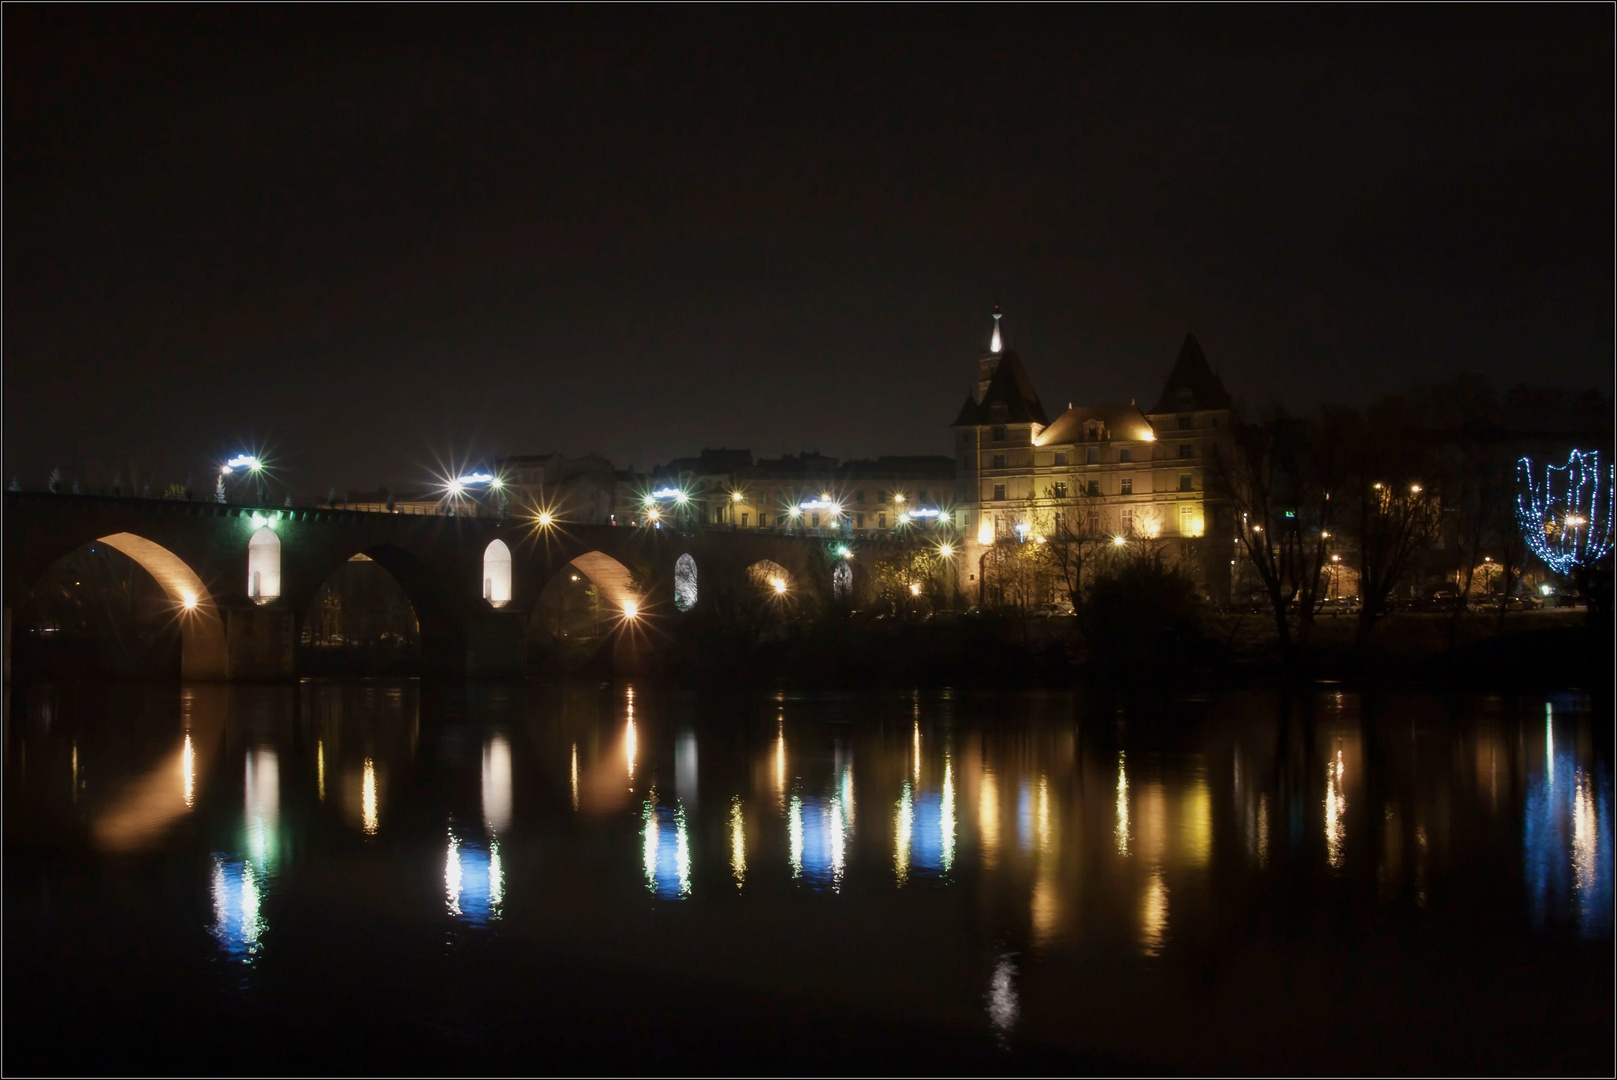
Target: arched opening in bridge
[
  {"x": 497, "y": 574},
  {"x": 583, "y": 603},
  {"x": 264, "y": 566},
  {"x": 842, "y": 583},
  {"x": 771, "y": 578},
  {"x": 120, "y": 606},
  {"x": 685, "y": 592},
  {"x": 361, "y": 621}
]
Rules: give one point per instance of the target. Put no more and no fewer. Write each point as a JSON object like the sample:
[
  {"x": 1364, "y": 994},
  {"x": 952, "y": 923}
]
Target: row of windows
[
  {"x": 1189, "y": 522},
  {"x": 1093, "y": 431},
  {"x": 1125, "y": 455},
  {"x": 1092, "y": 487}
]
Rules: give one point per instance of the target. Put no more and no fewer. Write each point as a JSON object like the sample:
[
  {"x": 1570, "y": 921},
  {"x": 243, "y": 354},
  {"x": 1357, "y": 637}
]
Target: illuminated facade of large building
[{"x": 1094, "y": 471}]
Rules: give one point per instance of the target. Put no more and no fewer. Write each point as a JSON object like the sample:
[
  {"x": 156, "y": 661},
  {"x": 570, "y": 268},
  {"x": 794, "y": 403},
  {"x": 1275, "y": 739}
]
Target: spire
[{"x": 995, "y": 344}]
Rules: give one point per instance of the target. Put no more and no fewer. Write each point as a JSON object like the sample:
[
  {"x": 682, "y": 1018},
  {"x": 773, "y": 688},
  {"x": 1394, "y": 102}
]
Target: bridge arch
[
  {"x": 771, "y": 578},
  {"x": 685, "y": 583}
]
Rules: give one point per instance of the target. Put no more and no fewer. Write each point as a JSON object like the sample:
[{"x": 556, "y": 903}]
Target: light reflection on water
[{"x": 1049, "y": 837}]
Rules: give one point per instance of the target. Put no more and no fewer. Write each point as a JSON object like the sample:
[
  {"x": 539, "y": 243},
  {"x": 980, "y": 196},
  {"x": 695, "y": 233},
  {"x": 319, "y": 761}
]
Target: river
[{"x": 369, "y": 876}]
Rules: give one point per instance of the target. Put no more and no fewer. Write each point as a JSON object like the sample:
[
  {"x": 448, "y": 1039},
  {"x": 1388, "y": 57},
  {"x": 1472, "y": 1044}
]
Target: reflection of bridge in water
[{"x": 240, "y": 580}]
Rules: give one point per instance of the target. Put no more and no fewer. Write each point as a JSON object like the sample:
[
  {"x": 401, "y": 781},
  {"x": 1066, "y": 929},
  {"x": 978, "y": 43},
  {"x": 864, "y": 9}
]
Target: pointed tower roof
[
  {"x": 1005, "y": 394},
  {"x": 1192, "y": 384}
]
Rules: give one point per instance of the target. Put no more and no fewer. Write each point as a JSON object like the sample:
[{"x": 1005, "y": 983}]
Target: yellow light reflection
[
  {"x": 738, "y": 842},
  {"x": 263, "y": 801},
  {"x": 575, "y": 777},
  {"x": 946, "y": 816},
  {"x": 917, "y": 751},
  {"x": 1196, "y": 833},
  {"x": 1335, "y": 807},
  {"x": 847, "y": 795},
  {"x": 1154, "y": 915},
  {"x": 1041, "y": 817},
  {"x": 1263, "y": 830},
  {"x": 838, "y": 844},
  {"x": 901, "y": 835},
  {"x": 1585, "y": 834},
  {"x": 320, "y": 768},
  {"x": 187, "y": 769},
  {"x": 1122, "y": 831},
  {"x": 988, "y": 818},
  {"x": 629, "y": 745},
  {"x": 367, "y": 799},
  {"x": 1045, "y": 907},
  {"x": 497, "y": 784},
  {"x": 780, "y": 764},
  {"x": 452, "y": 877},
  {"x": 1151, "y": 822},
  {"x": 794, "y": 831}
]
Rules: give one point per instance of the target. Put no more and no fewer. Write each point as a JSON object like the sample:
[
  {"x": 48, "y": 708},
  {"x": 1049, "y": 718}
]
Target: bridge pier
[
  {"x": 497, "y": 644},
  {"x": 259, "y": 644}
]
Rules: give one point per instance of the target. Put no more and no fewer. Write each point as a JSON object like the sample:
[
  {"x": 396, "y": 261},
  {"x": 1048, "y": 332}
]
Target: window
[
  {"x": 1092, "y": 522},
  {"x": 497, "y": 574},
  {"x": 744, "y": 517},
  {"x": 999, "y": 492},
  {"x": 1187, "y": 520},
  {"x": 1094, "y": 487},
  {"x": 881, "y": 520},
  {"x": 1184, "y": 481},
  {"x": 1060, "y": 522},
  {"x": 1061, "y": 489},
  {"x": 922, "y": 499},
  {"x": 999, "y": 461},
  {"x": 881, "y": 496},
  {"x": 1094, "y": 429},
  {"x": 816, "y": 520},
  {"x": 264, "y": 565},
  {"x": 859, "y": 521},
  {"x": 1184, "y": 423},
  {"x": 1061, "y": 457},
  {"x": 1125, "y": 454},
  {"x": 859, "y": 496},
  {"x": 1187, "y": 450},
  {"x": 1128, "y": 520},
  {"x": 1127, "y": 486},
  {"x": 996, "y": 433},
  {"x": 1092, "y": 456}
]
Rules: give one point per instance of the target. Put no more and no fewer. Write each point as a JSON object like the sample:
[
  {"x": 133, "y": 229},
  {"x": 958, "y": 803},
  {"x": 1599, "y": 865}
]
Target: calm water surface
[{"x": 362, "y": 876}]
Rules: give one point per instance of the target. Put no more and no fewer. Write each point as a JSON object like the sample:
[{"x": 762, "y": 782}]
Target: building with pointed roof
[{"x": 1096, "y": 473}]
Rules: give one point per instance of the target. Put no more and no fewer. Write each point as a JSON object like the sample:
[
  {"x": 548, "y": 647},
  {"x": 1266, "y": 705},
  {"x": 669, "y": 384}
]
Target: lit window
[
  {"x": 1187, "y": 520},
  {"x": 744, "y": 517},
  {"x": 1128, "y": 520},
  {"x": 1061, "y": 489}
]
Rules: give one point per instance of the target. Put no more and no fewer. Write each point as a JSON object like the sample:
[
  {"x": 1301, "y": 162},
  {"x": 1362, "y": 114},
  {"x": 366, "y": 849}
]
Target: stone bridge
[{"x": 242, "y": 579}]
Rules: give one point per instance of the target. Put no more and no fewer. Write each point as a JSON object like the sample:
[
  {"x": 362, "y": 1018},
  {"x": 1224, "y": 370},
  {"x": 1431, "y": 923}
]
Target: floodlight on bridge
[{"x": 242, "y": 461}]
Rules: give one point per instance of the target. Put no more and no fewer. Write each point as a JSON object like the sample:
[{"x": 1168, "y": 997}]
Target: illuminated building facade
[
  {"x": 812, "y": 493},
  {"x": 1094, "y": 471}
]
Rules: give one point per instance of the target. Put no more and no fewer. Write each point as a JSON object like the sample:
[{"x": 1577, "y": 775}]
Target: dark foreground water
[{"x": 372, "y": 877}]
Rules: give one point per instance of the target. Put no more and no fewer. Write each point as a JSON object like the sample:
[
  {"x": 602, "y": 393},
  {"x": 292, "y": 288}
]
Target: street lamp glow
[
  {"x": 188, "y": 601},
  {"x": 843, "y": 552},
  {"x": 915, "y": 588},
  {"x": 496, "y": 483},
  {"x": 735, "y": 496},
  {"x": 778, "y": 584},
  {"x": 653, "y": 514},
  {"x": 1414, "y": 489},
  {"x": 631, "y": 609},
  {"x": 247, "y": 461},
  {"x": 1118, "y": 541},
  {"x": 545, "y": 520},
  {"x": 456, "y": 487},
  {"x": 946, "y": 550}
]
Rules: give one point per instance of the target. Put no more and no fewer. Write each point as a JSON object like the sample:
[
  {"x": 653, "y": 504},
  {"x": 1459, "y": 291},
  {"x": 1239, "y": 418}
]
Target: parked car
[
  {"x": 1340, "y": 605},
  {"x": 1052, "y": 610}
]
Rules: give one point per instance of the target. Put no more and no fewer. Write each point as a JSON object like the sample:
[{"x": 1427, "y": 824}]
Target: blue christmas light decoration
[{"x": 1566, "y": 516}]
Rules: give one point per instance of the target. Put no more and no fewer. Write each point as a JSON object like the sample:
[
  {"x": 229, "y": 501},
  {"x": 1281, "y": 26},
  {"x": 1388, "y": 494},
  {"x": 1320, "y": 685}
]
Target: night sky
[{"x": 370, "y": 240}]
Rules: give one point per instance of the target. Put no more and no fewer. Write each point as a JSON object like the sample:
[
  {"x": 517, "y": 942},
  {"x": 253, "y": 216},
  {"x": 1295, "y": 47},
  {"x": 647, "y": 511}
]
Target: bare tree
[{"x": 1281, "y": 476}]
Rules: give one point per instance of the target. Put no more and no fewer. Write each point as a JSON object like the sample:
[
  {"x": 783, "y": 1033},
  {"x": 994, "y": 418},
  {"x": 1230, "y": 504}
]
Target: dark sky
[{"x": 372, "y": 239}]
